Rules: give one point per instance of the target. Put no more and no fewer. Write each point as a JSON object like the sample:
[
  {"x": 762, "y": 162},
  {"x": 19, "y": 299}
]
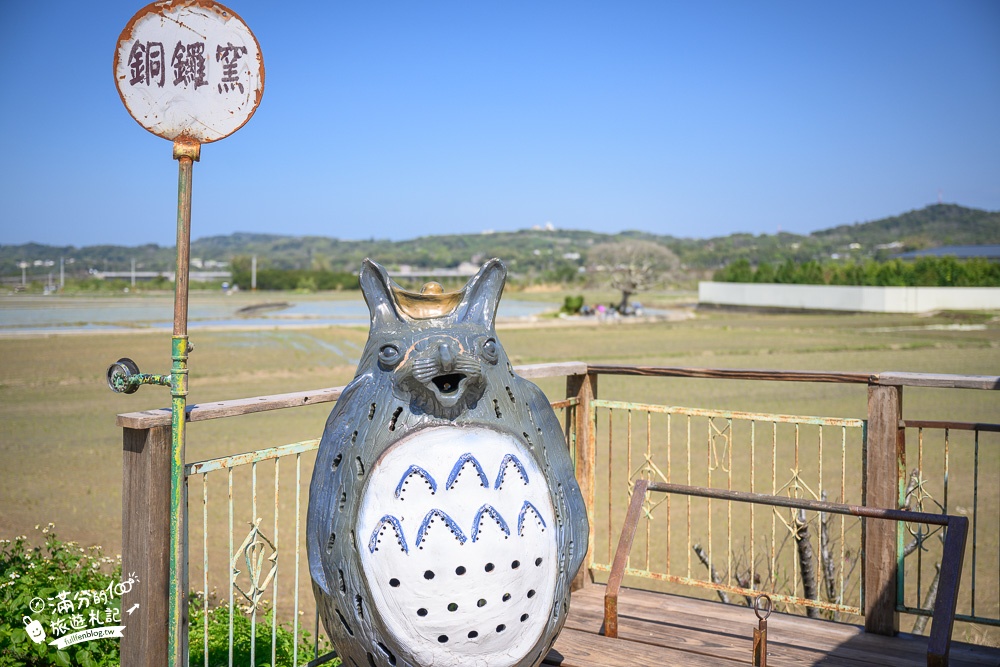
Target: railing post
[
  {"x": 584, "y": 388},
  {"x": 146, "y": 544},
  {"x": 885, "y": 457}
]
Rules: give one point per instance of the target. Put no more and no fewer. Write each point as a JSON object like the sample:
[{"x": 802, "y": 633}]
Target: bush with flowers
[
  {"x": 29, "y": 574},
  {"x": 35, "y": 579}
]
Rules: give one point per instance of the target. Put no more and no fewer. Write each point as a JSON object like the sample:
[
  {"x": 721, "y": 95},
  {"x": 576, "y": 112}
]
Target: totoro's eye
[
  {"x": 389, "y": 355},
  {"x": 491, "y": 351}
]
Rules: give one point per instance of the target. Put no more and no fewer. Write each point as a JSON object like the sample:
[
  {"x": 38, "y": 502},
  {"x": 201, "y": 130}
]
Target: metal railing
[
  {"x": 727, "y": 449},
  {"x": 875, "y": 474},
  {"x": 955, "y": 529},
  {"x": 953, "y": 459},
  {"x": 257, "y": 554},
  {"x": 850, "y": 459}
]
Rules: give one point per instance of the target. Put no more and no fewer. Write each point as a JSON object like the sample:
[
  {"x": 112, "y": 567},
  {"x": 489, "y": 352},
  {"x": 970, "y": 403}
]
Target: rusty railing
[
  {"x": 955, "y": 530},
  {"x": 862, "y": 461}
]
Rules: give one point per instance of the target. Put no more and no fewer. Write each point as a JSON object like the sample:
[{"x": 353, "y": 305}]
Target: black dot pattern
[{"x": 453, "y": 607}]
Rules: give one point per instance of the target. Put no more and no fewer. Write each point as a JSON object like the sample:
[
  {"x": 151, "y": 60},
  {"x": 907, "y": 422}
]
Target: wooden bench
[{"x": 663, "y": 630}]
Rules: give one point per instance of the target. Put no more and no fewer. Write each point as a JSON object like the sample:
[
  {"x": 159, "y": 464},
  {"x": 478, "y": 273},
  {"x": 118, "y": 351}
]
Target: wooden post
[
  {"x": 584, "y": 388},
  {"x": 885, "y": 457},
  {"x": 146, "y": 544}
]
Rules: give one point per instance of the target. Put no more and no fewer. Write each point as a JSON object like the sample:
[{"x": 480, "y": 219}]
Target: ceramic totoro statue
[{"x": 445, "y": 523}]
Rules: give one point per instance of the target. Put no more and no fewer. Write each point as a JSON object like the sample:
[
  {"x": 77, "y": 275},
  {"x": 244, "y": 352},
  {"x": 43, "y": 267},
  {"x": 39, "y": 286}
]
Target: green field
[{"x": 61, "y": 452}]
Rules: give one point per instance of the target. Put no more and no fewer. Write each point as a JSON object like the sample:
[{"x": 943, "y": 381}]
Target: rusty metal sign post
[{"x": 189, "y": 71}]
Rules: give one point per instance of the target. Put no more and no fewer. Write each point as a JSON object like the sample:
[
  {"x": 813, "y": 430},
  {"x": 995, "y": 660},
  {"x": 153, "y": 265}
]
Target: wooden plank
[
  {"x": 583, "y": 649},
  {"x": 240, "y": 406},
  {"x": 245, "y": 406},
  {"x": 553, "y": 370},
  {"x": 735, "y": 374},
  {"x": 971, "y": 655},
  {"x": 703, "y": 613},
  {"x": 885, "y": 456},
  {"x": 787, "y": 643},
  {"x": 146, "y": 544},
  {"x": 945, "y": 381},
  {"x": 675, "y": 616},
  {"x": 947, "y": 597},
  {"x": 584, "y": 388},
  {"x": 690, "y": 615}
]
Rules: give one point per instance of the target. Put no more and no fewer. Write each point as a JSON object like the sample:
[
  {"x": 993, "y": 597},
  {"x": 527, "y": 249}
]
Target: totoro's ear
[
  {"x": 377, "y": 290},
  {"x": 482, "y": 294}
]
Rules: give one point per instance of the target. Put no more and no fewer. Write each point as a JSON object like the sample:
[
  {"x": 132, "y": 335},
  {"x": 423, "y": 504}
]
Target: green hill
[
  {"x": 937, "y": 225},
  {"x": 537, "y": 253}
]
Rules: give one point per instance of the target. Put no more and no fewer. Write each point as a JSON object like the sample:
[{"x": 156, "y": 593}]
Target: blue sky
[{"x": 400, "y": 119}]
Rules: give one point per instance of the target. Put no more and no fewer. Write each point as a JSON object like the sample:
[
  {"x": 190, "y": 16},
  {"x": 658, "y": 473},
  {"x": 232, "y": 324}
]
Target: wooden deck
[{"x": 657, "y": 630}]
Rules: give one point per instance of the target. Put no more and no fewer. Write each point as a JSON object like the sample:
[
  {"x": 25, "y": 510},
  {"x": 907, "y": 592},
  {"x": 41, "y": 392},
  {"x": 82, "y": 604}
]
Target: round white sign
[{"x": 189, "y": 69}]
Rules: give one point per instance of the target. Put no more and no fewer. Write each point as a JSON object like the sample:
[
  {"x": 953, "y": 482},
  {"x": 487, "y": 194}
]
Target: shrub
[
  {"x": 28, "y": 572},
  {"x": 243, "y": 630},
  {"x": 923, "y": 272},
  {"x": 572, "y": 304}
]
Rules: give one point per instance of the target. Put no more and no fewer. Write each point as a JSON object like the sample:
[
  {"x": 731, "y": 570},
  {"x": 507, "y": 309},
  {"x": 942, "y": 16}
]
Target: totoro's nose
[{"x": 447, "y": 357}]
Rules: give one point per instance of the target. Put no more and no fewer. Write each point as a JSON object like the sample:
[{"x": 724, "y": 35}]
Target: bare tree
[{"x": 632, "y": 266}]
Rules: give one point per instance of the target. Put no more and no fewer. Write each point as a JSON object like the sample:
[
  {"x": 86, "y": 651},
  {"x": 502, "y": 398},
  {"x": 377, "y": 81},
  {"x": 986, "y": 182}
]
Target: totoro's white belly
[{"x": 456, "y": 532}]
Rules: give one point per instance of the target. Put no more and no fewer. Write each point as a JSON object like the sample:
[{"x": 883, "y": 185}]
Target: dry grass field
[{"x": 60, "y": 451}]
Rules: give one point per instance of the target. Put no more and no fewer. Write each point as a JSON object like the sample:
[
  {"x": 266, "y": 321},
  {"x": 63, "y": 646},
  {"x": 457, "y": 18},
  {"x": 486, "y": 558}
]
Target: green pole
[{"x": 186, "y": 153}]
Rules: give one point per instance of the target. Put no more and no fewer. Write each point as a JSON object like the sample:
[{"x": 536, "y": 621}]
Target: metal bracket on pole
[{"x": 124, "y": 377}]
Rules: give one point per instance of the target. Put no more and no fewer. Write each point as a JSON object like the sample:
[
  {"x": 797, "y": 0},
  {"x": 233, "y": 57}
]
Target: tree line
[
  {"x": 309, "y": 280},
  {"x": 922, "y": 272}
]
